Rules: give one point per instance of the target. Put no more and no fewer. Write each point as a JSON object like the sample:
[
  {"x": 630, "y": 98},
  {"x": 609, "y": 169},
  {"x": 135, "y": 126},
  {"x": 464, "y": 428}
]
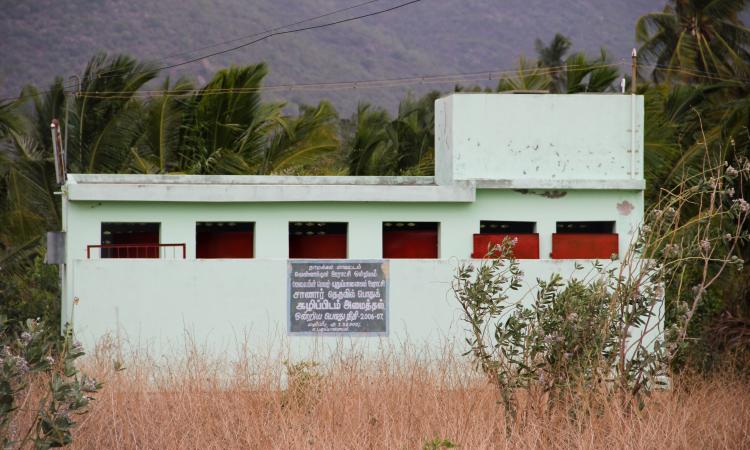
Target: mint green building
[{"x": 149, "y": 259}]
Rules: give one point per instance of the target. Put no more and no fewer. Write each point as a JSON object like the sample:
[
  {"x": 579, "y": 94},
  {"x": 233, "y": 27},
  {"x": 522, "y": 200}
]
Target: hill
[{"x": 44, "y": 38}]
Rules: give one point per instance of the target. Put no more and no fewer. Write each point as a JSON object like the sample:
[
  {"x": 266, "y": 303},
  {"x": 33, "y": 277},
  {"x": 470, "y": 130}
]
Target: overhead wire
[
  {"x": 695, "y": 72},
  {"x": 279, "y": 31},
  {"x": 259, "y": 33},
  {"x": 270, "y": 30},
  {"x": 383, "y": 83},
  {"x": 486, "y": 75},
  {"x": 296, "y": 30}
]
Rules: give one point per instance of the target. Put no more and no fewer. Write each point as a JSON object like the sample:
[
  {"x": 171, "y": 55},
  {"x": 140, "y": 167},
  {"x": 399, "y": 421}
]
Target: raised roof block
[{"x": 538, "y": 137}]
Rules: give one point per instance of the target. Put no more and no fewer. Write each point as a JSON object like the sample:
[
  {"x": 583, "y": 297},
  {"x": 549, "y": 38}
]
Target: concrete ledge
[
  {"x": 617, "y": 185},
  {"x": 269, "y": 193},
  {"x": 248, "y": 180}
]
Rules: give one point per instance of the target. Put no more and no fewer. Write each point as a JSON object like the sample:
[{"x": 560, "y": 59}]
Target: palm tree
[
  {"x": 105, "y": 116},
  {"x": 584, "y": 74},
  {"x": 161, "y": 134},
  {"x": 375, "y": 144},
  {"x": 672, "y": 134},
  {"x": 414, "y": 130},
  {"x": 102, "y": 126},
  {"x": 11, "y": 121},
  {"x": 695, "y": 40},
  {"x": 298, "y": 143},
  {"x": 576, "y": 72},
  {"x": 556, "y": 73},
  {"x": 368, "y": 141},
  {"x": 27, "y": 178},
  {"x": 231, "y": 131},
  {"x": 528, "y": 77},
  {"x": 551, "y": 56}
]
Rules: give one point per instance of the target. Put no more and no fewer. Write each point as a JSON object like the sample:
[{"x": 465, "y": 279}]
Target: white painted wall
[
  {"x": 218, "y": 300},
  {"x": 498, "y": 157},
  {"x": 222, "y": 304},
  {"x": 538, "y": 137}
]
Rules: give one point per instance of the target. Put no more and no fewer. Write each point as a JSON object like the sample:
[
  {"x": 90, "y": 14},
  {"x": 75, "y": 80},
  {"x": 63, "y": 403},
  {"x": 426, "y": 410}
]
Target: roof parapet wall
[{"x": 529, "y": 139}]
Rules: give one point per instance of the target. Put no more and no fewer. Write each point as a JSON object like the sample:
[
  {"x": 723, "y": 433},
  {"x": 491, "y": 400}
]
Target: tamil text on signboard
[{"x": 338, "y": 297}]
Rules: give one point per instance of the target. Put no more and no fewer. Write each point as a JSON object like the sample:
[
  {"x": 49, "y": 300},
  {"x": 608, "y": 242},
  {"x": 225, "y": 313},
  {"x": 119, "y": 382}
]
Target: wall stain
[
  {"x": 546, "y": 194},
  {"x": 625, "y": 208}
]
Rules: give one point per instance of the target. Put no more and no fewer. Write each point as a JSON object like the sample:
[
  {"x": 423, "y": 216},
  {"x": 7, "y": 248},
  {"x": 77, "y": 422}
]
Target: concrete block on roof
[{"x": 485, "y": 137}]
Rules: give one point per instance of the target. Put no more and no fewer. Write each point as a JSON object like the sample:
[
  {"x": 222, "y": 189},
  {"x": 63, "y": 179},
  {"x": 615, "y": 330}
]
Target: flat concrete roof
[
  {"x": 231, "y": 188},
  {"x": 248, "y": 179},
  {"x": 252, "y": 188}
]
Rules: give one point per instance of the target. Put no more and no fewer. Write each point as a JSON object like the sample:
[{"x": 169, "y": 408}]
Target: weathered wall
[
  {"x": 157, "y": 300},
  {"x": 538, "y": 137},
  {"x": 539, "y": 158},
  {"x": 223, "y": 304}
]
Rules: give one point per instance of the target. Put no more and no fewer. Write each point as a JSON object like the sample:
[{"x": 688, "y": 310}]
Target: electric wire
[
  {"x": 279, "y": 32},
  {"x": 695, "y": 72},
  {"x": 270, "y": 30},
  {"x": 486, "y": 75},
  {"x": 296, "y": 30},
  {"x": 259, "y": 33}
]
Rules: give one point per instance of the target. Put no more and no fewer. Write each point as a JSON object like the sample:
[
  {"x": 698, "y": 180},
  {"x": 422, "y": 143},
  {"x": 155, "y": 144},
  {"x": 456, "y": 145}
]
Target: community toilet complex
[{"x": 150, "y": 259}]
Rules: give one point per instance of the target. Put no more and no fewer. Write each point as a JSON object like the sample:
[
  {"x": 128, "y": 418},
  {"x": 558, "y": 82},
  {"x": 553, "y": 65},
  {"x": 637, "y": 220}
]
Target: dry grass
[{"x": 390, "y": 402}]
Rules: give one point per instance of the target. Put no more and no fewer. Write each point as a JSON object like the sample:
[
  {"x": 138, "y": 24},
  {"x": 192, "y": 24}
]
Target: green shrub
[
  {"x": 597, "y": 335},
  {"x": 34, "y": 356},
  {"x": 32, "y": 290}
]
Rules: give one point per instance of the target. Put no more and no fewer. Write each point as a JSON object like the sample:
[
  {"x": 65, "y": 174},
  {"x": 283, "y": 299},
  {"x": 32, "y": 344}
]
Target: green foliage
[
  {"x": 556, "y": 73},
  {"x": 695, "y": 40},
  {"x": 11, "y": 120},
  {"x": 31, "y": 290},
  {"x": 595, "y": 335},
  {"x": 375, "y": 144},
  {"x": 697, "y": 113},
  {"x": 529, "y": 77},
  {"x": 303, "y": 384},
  {"x": 38, "y": 356},
  {"x": 438, "y": 444},
  {"x": 160, "y": 142},
  {"x": 231, "y": 131}
]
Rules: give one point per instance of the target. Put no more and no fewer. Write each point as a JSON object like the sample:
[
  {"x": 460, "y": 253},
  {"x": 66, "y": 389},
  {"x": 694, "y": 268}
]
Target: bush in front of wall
[
  {"x": 597, "y": 335},
  {"x": 39, "y": 381}
]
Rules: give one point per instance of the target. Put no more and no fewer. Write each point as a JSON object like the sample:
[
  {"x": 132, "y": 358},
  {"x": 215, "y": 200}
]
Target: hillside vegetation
[
  {"x": 42, "y": 39},
  {"x": 556, "y": 374}
]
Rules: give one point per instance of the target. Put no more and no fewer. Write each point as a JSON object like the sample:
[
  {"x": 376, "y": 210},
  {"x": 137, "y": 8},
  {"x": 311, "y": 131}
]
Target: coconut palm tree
[
  {"x": 552, "y": 56},
  {"x": 584, "y": 74},
  {"x": 414, "y": 130},
  {"x": 102, "y": 125},
  {"x": 368, "y": 142},
  {"x": 375, "y": 144},
  {"x": 11, "y": 120},
  {"x": 104, "y": 117},
  {"x": 528, "y": 77},
  {"x": 27, "y": 177},
  {"x": 162, "y": 130},
  {"x": 694, "y": 40},
  {"x": 232, "y": 131}
]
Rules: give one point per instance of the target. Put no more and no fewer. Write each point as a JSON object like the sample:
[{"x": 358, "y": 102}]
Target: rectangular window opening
[
  {"x": 130, "y": 240},
  {"x": 224, "y": 240},
  {"x": 595, "y": 227},
  {"x": 318, "y": 240},
  {"x": 506, "y": 227},
  {"x": 492, "y": 233},
  {"x": 415, "y": 240},
  {"x": 585, "y": 240}
]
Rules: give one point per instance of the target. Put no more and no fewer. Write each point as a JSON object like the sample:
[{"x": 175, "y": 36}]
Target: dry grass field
[{"x": 390, "y": 402}]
